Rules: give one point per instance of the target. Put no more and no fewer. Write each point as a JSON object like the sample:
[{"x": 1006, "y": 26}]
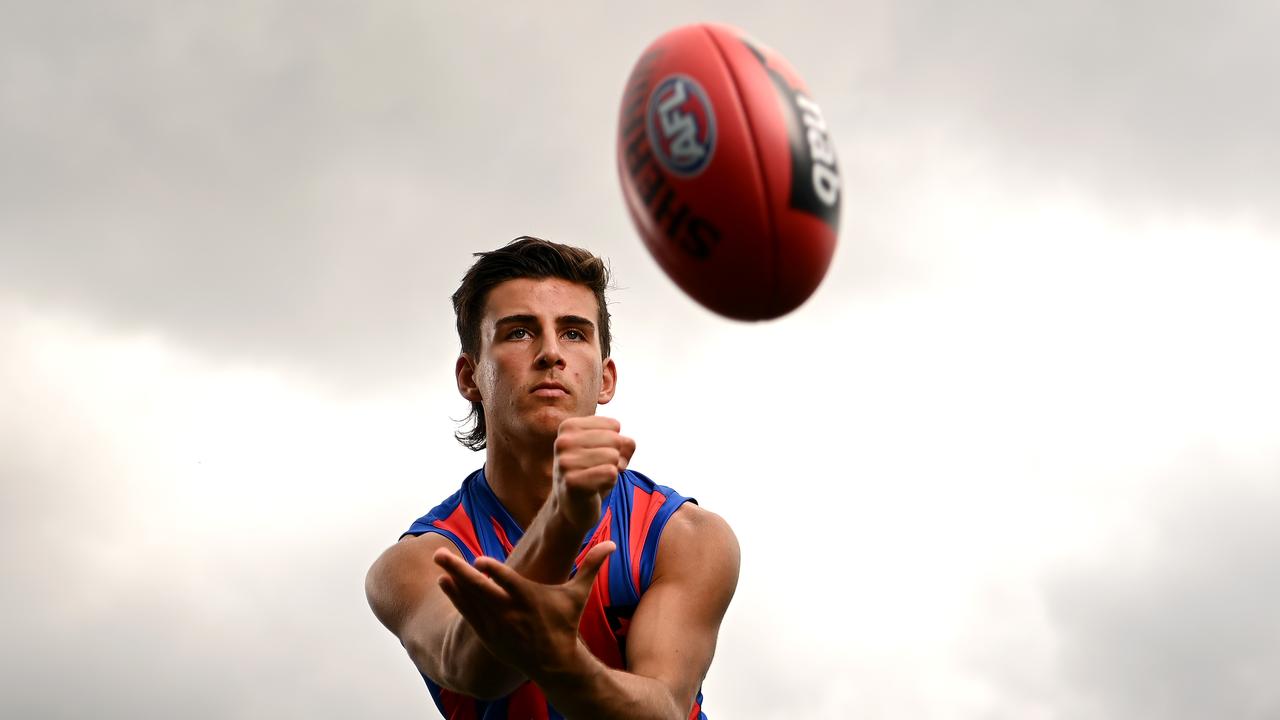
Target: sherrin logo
[{"x": 681, "y": 125}]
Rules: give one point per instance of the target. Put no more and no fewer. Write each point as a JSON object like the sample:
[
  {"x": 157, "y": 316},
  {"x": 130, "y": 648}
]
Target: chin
[{"x": 546, "y": 421}]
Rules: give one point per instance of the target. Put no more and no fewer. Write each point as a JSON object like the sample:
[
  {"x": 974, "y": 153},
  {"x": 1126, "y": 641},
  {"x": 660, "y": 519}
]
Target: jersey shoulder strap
[{"x": 640, "y": 509}]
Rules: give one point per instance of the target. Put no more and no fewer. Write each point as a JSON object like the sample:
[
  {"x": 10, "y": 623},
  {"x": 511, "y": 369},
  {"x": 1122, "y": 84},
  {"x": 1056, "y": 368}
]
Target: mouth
[{"x": 549, "y": 389}]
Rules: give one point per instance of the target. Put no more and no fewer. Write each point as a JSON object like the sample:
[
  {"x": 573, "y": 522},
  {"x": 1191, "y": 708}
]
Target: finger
[
  {"x": 464, "y": 604},
  {"x": 596, "y": 480},
  {"x": 601, "y": 437},
  {"x": 450, "y": 561},
  {"x": 588, "y": 457},
  {"x": 455, "y": 565},
  {"x": 590, "y": 422},
  {"x": 466, "y": 596},
  {"x": 516, "y": 585},
  {"x": 590, "y": 567},
  {"x": 626, "y": 450},
  {"x": 476, "y": 613},
  {"x": 467, "y": 580},
  {"x": 449, "y": 588},
  {"x": 569, "y": 447}
]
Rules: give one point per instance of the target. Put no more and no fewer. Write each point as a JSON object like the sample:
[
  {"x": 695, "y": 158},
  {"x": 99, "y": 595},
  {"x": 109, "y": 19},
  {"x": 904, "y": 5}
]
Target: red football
[{"x": 728, "y": 171}]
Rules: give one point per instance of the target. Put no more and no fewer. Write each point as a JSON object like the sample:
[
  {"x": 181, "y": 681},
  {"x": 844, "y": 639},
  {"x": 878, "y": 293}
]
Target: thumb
[
  {"x": 590, "y": 567},
  {"x": 626, "y": 451}
]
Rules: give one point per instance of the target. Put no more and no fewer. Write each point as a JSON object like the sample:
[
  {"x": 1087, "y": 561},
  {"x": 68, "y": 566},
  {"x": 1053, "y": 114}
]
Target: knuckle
[{"x": 579, "y": 481}]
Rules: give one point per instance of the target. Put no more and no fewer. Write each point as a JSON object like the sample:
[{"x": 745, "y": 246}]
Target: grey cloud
[
  {"x": 303, "y": 183},
  {"x": 115, "y": 608},
  {"x": 1179, "y": 624},
  {"x": 285, "y": 182},
  {"x": 1144, "y": 104}
]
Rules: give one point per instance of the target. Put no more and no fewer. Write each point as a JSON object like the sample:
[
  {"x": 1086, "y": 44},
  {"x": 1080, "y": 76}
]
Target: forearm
[
  {"x": 590, "y": 689},
  {"x": 458, "y": 659},
  {"x": 546, "y": 551},
  {"x": 463, "y": 664}
]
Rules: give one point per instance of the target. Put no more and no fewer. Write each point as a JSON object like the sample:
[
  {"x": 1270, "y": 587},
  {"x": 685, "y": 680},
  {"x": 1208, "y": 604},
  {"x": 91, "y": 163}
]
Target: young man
[{"x": 556, "y": 582}]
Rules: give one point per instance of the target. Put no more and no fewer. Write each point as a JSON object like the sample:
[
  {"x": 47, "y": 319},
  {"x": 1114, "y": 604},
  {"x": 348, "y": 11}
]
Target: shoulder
[
  {"x": 403, "y": 572},
  {"x": 699, "y": 541},
  {"x": 694, "y": 521},
  {"x": 402, "y": 576},
  {"x": 685, "y": 527},
  {"x": 633, "y": 484}
]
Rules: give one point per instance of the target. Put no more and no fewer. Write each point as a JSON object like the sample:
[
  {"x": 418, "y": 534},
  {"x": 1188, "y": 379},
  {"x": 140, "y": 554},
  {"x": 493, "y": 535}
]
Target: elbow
[
  {"x": 422, "y": 659},
  {"x": 448, "y": 667},
  {"x": 676, "y": 713}
]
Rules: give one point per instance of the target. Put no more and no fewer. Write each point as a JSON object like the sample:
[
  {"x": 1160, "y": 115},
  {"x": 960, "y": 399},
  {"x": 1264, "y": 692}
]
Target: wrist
[
  {"x": 569, "y": 515},
  {"x": 573, "y": 673},
  {"x": 549, "y": 546}
]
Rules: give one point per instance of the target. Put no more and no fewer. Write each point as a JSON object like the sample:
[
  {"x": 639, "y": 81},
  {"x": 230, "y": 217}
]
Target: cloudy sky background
[{"x": 1019, "y": 457}]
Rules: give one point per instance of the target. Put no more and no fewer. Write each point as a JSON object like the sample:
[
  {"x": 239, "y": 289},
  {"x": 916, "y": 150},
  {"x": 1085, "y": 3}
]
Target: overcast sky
[{"x": 1018, "y": 458}]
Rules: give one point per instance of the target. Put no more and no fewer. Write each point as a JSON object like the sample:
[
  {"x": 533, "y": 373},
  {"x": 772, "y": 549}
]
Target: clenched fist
[{"x": 589, "y": 453}]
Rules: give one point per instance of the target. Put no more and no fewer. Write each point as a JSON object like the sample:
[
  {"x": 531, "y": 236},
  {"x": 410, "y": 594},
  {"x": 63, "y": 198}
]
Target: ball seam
[{"x": 759, "y": 158}]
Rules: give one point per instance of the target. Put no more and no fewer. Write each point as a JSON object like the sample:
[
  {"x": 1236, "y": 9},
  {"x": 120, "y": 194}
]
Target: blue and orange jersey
[{"x": 633, "y": 518}]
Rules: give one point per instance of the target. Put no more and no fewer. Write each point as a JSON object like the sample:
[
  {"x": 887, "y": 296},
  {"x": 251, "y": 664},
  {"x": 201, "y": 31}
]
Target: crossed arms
[{"x": 483, "y": 631}]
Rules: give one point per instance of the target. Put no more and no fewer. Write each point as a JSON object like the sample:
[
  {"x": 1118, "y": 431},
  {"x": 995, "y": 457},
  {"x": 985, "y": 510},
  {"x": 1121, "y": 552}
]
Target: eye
[
  {"x": 518, "y": 334},
  {"x": 574, "y": 334}
]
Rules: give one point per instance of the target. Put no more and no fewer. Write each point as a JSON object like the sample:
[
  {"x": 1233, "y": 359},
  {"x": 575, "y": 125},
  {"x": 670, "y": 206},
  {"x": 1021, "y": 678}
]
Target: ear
[
  {"x": 465, "y": 371},
  {"x": 608, "y": 381}
]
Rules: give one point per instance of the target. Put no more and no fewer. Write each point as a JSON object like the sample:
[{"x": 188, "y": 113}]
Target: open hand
[{"x": 529, "y": 625}]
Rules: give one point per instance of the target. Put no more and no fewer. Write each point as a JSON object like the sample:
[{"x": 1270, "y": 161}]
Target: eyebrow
[{"x": 531, "y": 320}]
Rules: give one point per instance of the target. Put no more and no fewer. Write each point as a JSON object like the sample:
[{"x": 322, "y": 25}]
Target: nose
[{"x": 549, "y": 354}]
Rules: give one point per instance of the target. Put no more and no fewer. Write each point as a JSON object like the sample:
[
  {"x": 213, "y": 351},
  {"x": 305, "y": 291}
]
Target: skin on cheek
[
  {"x": 590, "y": 389},
  {"x": 483, "y": 379}
]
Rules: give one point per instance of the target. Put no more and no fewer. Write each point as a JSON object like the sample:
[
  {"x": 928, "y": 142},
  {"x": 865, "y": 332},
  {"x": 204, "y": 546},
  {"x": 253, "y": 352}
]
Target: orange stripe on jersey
[
  {"x": 604, "y": 531},
  {"x": 457, "y": 707},
  {"x": 527, "y": 703},
  {"x": 594, "y": 626},
  {"x": 644, "y": 506},
  {"x": 502, "y": 534},
  {"x": 459, "y": 524},
  {"x": 597, "y": 635}
]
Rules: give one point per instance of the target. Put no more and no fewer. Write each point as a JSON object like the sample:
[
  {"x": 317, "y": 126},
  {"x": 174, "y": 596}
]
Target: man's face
[{"x": 539, "y": 361}]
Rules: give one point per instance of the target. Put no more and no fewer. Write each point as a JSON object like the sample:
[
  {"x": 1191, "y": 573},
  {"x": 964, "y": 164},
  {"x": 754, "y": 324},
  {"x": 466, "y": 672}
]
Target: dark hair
[{"x": 524, "y": 257}]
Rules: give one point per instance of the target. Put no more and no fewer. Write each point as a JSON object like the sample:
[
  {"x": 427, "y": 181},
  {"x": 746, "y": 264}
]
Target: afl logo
[{"x": 681, "y": 125}]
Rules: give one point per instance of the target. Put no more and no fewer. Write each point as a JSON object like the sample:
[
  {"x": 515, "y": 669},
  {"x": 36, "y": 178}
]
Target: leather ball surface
[{"x": 728, "y": 171}]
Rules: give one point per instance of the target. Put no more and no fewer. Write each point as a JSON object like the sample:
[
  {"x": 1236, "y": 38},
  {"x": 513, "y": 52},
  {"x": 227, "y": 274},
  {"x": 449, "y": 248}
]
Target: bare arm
[
  {"x": 404, "y": 591},
  {"x": 403, "y": 586},
  {"x": 673, "y": 632},
  {"x": 533, "y": 626}
]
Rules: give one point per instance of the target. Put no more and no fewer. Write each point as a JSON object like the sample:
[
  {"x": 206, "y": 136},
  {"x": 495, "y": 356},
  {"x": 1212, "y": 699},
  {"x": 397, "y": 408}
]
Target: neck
[{"x": 520, "y": 475}]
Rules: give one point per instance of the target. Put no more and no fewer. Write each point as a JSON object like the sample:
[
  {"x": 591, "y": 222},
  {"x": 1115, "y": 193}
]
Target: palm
[{"x": 529, "y": 625}]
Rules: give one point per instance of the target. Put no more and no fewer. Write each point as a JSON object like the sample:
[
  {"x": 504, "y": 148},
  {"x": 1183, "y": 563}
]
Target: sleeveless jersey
[{"x": 633, "y": 518}]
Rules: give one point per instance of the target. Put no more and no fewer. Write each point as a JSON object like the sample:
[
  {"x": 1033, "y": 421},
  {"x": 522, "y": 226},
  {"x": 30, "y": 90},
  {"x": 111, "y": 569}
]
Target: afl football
[{"x": 728, "y": 171}]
